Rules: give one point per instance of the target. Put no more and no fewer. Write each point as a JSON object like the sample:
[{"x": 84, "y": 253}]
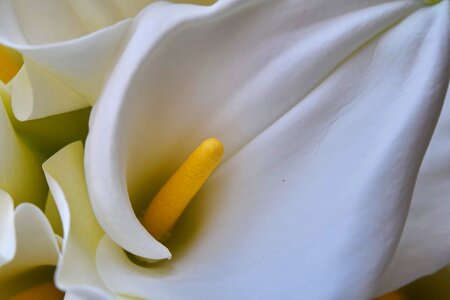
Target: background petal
[
  {"x": 35, "y": 91},
  {"x": 36, "y": 247},
  {"x": 20, "y": 167},
  {"x": 323, "y": 145},
  {"x": 68, "y": 48},
  {"x": 25, "y": 145},
  {"x": 65, "y": 175},
  {"x": 52, "y": 214},
  {"x": 50, "y": 134},
  {"x": 74, "y": 70},
  {"x": 50, "y": 21},
  {"x": 7, "y": 229}
]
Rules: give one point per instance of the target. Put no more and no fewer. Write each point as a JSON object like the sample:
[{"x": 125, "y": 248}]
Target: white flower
[{"x": 325, "y": 110}]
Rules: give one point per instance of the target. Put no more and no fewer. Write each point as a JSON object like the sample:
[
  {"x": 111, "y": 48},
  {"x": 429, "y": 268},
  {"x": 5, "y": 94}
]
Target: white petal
[
  {"x": 323, "y": 145},
  {"x": 20, "y": 168},
  {"x": 7, "y": 229},
  {"x": 69, "y": 47},
  {"x": 233, "y": 78},
  {"x": 425, "y": 244},
  {"x": 65, "y": 176},
  {"x": 34, "y": 91},
  {"x": 36, "y": 246}
]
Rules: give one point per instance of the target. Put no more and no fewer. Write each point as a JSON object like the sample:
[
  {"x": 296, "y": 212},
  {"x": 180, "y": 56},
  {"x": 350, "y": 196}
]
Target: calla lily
[{"x": 325, "y": 110}]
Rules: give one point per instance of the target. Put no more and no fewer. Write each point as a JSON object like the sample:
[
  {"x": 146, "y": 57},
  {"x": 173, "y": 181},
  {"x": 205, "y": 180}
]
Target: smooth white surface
[{"x": 324, "y": 125}]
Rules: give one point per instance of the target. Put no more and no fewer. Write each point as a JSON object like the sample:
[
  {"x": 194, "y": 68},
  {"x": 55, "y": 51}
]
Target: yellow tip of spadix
[
  {"x": 170, "y": 202},
  {"x": 10, "y": 63}
]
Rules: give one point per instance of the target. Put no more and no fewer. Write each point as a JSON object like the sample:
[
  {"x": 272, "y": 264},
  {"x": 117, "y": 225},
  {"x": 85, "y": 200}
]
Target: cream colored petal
[
  {"x": 20, "y": 168},
  {"x": 34, "y": 91},
  {"x": 65, "y": 175},
  {"x": 7, "y": 229},
  {"x": 64, "y": 77},
  {"x": 37, "y": 22},
  {"x": 324, "y": 128},
  {"x": 36, "y": 246},
  {"x": 50, "y": 134},
  {"x": 69, "y": 47}
]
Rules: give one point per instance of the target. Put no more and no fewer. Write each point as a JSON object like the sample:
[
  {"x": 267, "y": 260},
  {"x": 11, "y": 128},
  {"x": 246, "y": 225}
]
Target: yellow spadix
[{"x": 170, "y": 202}]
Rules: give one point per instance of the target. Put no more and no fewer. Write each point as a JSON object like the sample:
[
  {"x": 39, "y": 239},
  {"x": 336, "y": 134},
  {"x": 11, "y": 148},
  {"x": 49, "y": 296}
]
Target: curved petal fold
[
  {"x": 34, "y": 91},
  {"x": 52, "y": 214},
  {"x": 65, "y": 175},
  {"x": 20, "y": 167}
]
